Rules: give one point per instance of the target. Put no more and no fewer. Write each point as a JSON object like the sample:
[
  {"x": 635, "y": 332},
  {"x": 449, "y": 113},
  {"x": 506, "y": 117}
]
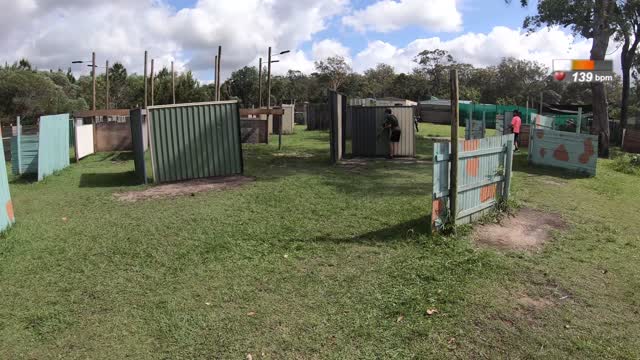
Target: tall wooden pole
[
  {"x": 269, "y": 86},
  {"x": 540, "y": 113},
  {"x": 145, "y": 80},
  {"x": 260, "y": 83},
  {"x": 218, "y": 84},
  {"x": 215, "y": 79},
  {"x": 152, "y": 87},
  {"x": 173, "y": 83},
  {"x": 93, "y": 74},
  {"x": 107, "y": 74},
  {"x": 453, "y": 193}
]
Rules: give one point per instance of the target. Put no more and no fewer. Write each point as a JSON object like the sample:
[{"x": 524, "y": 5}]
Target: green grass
[{"x": 312, "y": 261}]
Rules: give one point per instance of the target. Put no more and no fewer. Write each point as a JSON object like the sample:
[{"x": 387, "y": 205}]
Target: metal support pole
[
  {"x": 269, "y": 87},
  {"x": 215, "y": 78},
  {"x": 218, "y": 80},
  {"x": 579, "y": 124},
  {"x": 453, "y": 193}
]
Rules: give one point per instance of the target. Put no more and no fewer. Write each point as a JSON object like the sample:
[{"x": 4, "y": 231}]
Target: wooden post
[
  {"x": 453, "y": 192},
  {"x": 579, "y": 124},
  {"x": 145, "y": 80},
  {"x": 152, "y": 92},
  {"x": 541, "y": 94},
  {"x": 93, "y": 74},
  {"x": 260, "y": 83},
  {"x": 107, "y": 75},
  {"x": 218, "y": 82},
  {"x": 19, "y": 144},
  {"x": 173, "y": 83},
  {"x": 527, "y": 117},
  {"x": 507, "y": 171},
  {"x": 269, "y": 85},
  {"x": 484, "y": 124},
  {"x": 215, "y": 79}
]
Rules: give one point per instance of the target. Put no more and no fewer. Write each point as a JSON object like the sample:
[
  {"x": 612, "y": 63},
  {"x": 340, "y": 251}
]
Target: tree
[
  {"x": 594, "y": 19},
  {"x": 334, "y": 70},
  {"x": 434, "y": 66},
  {"x": 243, "y": 84},
  {"x": 379, "y": 80},
  {"x": 629, "y": 34}
]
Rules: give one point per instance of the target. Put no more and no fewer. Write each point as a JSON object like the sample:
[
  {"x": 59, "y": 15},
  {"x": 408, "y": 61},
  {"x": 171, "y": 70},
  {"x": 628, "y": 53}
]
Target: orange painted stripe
[
  {"x": 9, "y": 207},
  {"x": 583, "y": 65},
  {"x": 473, "y": 165},
  {"x": 488, "y": 193}
]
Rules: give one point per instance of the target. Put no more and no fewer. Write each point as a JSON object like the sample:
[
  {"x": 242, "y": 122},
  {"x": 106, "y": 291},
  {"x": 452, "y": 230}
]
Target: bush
[{"x": 627, "y": 163}]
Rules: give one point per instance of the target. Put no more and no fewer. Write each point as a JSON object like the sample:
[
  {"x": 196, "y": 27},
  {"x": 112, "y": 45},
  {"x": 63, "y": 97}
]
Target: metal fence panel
[
  {"x": 369, "y": 140},
  {"x": 53, "y": 147},
  {"x": 631, "y": 141},
  {"x": 24, "y": 154},
  {"x": 83, "y": 136},
  {"x": 7, "y": 217},
  {"x": 199, "y": 140},
  {"x": 577, "y": 152},
  {"x": 475, "y": 129},
  {"x": 318, "y": 117},
  {"x": 138, "y": 141},
  {"x": 484, "y": 171}
]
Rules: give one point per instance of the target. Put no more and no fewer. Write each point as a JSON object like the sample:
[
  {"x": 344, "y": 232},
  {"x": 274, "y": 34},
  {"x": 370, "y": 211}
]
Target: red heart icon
[{"x": 559, "y": 75}]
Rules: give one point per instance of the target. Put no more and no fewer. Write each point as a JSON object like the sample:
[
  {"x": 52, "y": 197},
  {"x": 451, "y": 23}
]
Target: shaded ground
[
  {"x": 184, "y": 188},
  {"x": 527, "y": 230}
]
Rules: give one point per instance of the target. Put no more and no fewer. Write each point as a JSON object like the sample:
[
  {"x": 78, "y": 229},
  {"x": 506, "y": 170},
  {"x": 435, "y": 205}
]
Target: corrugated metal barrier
[
  {"x": 475, "y": 129},
  {"x": 631, "y": 142},
  {"x": 191, "y": 141},
  {"x": 7, "y": 217},
  {"x": 368, "y": 137},
  {"x": 45, "y": 153},
  {"x": 254, "y": 131},
  {"x": 484, "y": 171},
  {"x": 138, "y": 140},
  {"x": 84, "y": 144},
  {"x": 576, "y": 152},
  {"x": 318, "y": 117}
]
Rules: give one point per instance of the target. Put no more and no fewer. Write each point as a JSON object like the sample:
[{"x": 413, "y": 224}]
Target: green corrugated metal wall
[
  {"x": 53, "y": 147},
  {"x": 199, "y": 140},
  {"x": 6, "y": 206}
]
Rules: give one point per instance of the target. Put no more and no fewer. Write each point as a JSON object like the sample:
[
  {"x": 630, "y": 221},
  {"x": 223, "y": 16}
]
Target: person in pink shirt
[{"x": 516, "y": 123}]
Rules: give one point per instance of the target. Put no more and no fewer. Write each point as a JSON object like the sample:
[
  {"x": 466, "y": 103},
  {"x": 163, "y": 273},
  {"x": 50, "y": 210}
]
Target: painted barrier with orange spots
[
  {"x": 565, "y": 150},
  {"x": 7, "y": 217},
  {"x": 484, "y": 175}
]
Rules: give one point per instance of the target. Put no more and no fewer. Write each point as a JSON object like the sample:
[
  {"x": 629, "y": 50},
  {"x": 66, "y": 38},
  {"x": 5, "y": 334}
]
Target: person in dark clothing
[{"x": 392, "y": 125}]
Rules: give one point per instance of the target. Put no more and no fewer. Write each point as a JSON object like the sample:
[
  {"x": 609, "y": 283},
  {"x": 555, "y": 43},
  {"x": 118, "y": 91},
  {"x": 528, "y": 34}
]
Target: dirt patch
[
  {"x": 534, "y": 304},
  {"x": 185, "y": 188},
  {"x": 527, "y": 230}
]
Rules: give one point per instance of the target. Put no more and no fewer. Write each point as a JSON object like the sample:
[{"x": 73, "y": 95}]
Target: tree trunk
[
  {"x": 627, "y": 58},
  {"x": 601, "y": 35}
]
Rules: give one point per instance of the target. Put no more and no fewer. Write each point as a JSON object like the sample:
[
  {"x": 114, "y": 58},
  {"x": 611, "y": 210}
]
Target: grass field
[{"x": 313, "y": 262}]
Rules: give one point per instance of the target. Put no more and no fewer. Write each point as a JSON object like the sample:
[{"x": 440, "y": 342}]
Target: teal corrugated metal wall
[
  {"x": 53, "y": 147},
  {"x": 28, "y": 154},
  {"x": 195, "y": 141},
  {"x": 484, "y": 173},
  {"x": 565, "y": 150},
  {"x": 6, "y": 206}
]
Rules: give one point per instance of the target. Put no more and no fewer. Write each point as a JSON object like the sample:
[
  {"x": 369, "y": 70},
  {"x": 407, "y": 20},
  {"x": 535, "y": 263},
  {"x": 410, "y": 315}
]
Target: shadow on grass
[
  {"x": 25, "y": 179},
  {"x": 107, "y": 180},
  {"x": 114, "y": 156},
  {"x": 521, "y": 164},
  {"x": 409, "y": 230}
]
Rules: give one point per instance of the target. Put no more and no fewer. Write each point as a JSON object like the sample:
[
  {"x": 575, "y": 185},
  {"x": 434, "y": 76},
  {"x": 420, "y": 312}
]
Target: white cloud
[
  {"x": 482, "y": 49},
  {"x": 391, "y": 15},
  {"x": 53, "y": 33},
  {"x": 328, "y": 48}
]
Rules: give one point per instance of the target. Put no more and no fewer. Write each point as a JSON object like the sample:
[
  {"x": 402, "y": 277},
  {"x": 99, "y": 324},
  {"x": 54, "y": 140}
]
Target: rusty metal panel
[
  {"x": 113, "y": 136},
  {"x": 631, "y": 142},
  {"x": 198, "y": 140},
  {"x": 576, "y": 152},
  {"x": 484, "y": 171}
]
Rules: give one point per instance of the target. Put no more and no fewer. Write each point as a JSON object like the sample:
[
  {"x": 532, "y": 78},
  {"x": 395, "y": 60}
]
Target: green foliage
[
  {"x": 333, "y": 71},
  {"x": 626, "y": 163}
]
